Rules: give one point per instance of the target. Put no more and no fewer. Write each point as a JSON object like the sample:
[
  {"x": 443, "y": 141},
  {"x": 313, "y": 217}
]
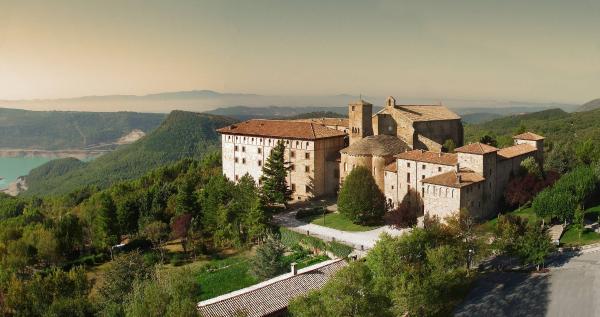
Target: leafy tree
[
  {"x": 349, "y": 293},
  {"x": 186, "y": 199},
  {"x": 507, "y": 234},
  {"x": 309, "y": 305},
  {"x": 118, "y": 281},
  {"x": 99, "y": 216},
  {"x": 275, "y": 170},
  {"x": 164, "y": 295},
  {"x": 522, "y": 189},
  {"x": 535, "y": 245},
  {"x": 360, "y": 199},
  {"x": 579, "y": 220},
  {"x": 180, "y": 228},
  {"x": 586, "y": 152},
  {"x": 489, "y": 140},
  {"x": 449, "y": 146},
  {"x": 52, "y": 294},
  {"x": 268, "y": 261},
  {"x": 69, "y": 233},
  {"x": 532, "y": 167},
  {"x": 157, "y": 232}
]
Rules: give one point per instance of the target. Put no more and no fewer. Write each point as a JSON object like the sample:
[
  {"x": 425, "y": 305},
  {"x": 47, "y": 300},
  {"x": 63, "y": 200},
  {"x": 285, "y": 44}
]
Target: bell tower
[{"x": 359, "y": 114}]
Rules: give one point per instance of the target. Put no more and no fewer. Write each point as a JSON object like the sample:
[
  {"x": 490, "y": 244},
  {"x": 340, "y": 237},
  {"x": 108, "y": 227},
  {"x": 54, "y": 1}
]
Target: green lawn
[
  {"x": 219, "y": 277},
  {"x": 526, "y": 212},
  {"x": 337, "y": 221},
  {"x": 571, "y": 237},
  {"x": 223, "y": 276}
]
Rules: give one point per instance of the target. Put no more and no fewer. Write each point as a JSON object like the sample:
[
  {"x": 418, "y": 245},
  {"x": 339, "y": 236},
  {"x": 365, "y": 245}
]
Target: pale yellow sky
[{"x": 546, "y": 50}]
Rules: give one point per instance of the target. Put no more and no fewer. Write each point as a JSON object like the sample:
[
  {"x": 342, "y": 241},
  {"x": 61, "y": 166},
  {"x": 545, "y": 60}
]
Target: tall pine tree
[{"x": 274, "y": 186}]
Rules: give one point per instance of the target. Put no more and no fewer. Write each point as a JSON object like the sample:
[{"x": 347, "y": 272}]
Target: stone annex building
[{"x": 402, "y": 145}]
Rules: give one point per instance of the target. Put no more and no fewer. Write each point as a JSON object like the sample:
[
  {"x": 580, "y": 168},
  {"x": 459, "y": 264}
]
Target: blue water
[{"x": 13, "y": 167}]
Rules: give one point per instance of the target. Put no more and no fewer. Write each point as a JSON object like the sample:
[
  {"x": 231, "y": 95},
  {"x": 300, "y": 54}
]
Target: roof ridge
[{"x": 263, "y": 284}]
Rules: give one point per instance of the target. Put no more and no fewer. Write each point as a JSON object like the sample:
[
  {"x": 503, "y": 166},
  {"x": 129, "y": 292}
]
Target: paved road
[
  {"x": 572, "y": 288},
  {"x": 360, "y": 240}
]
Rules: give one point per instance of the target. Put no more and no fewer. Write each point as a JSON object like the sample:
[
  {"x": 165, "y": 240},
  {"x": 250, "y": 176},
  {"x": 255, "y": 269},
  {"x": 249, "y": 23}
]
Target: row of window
[
  {"x": 271, "y": 141},
  {"x": 307, "y": 188},
  {"x": 259, "y": 151},
  {"x": 259, "y": 163}
]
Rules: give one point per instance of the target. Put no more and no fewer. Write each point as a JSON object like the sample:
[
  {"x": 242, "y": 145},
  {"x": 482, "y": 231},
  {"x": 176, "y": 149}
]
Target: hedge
[{"x": 291, "y": 239}]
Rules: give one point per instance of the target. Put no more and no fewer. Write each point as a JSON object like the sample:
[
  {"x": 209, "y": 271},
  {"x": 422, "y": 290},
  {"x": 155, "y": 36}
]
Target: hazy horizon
[{"x": 532, "y": 51}]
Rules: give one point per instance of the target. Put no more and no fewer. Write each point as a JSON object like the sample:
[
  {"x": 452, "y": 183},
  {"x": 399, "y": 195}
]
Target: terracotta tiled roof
[
  {"x": 282, "y": 129},
  {"x": 342, "y": 122},
  {"x": 423, "y": 112},
  {"x": 273, "y": 295},
  {"x": 392, "y": 167},
  {"x": 529, "y": 136},
  {"x": 429, "y": 157},
  {"x": 377, "y": 145},
  {"x": 476, "y": 148},
  {"x": 516, "y": 150},
  {"x": 462, "y": 178}
]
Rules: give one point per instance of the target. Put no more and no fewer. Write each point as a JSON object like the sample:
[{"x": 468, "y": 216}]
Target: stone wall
[
  {"x": 431, "y": 135},
  {"x": 441, "y": 201}
]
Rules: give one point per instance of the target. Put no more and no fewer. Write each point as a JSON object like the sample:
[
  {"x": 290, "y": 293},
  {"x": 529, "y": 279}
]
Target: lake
[{"x": 13, "y": 167}]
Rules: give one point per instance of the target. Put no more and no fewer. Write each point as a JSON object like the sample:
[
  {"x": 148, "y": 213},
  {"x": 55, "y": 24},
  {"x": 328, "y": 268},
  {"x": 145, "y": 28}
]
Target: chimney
[{"x": 294, "y": 269}]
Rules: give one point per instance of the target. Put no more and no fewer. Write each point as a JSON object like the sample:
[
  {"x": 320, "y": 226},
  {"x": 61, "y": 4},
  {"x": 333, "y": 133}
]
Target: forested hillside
[
  {"x": 58, "y": 130},
  {"x": 567, "y": 134},
  {"x": 182, "y": 134}
]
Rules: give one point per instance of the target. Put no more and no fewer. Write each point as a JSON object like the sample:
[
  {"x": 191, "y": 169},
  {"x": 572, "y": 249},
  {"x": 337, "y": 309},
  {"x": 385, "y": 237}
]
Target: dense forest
[
  {"x": 59, "y": 130},
  {"x": 182, "y": 134}
]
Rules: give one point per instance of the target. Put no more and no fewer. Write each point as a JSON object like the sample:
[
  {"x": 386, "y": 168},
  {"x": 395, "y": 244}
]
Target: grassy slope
[
  {"x": 182, "y": 134},
  {"x": 56, "y": 130}
]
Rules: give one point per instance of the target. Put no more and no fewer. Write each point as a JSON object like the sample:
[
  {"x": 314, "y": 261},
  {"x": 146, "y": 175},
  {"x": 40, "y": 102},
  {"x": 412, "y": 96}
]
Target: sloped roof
[
  {"x": 273, "y": 295},
  {"x": 476, "y": 148},
  {"x": 392, "y": 167},
  {"x": 464, "y": 177},
  {"x": 342, "y": 122},
  {"x": 377, "y": 145},
  {"x": 282, "y": 129},
  {"x": 429, "y": 157},
  {"x": 419, "y": 113},
  {"x": 529, "y": 136},
  {"x": 516, "y": 150}
]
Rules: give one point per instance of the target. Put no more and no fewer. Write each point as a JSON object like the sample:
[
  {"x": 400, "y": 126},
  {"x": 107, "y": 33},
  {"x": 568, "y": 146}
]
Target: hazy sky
[{"x": 527, "y": 50}]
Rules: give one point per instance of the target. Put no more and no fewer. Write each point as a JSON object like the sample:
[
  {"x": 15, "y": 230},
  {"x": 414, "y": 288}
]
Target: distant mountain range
[
  {"x": 590, "y": 105},
  {"x": 206, "y": 100}
]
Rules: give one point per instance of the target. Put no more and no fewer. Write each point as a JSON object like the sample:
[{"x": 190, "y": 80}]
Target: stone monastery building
[{"x": 402, "y": 145}]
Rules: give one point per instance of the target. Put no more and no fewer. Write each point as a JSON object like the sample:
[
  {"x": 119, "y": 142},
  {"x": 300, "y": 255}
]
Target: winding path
[{"x": 360, "y": 240}]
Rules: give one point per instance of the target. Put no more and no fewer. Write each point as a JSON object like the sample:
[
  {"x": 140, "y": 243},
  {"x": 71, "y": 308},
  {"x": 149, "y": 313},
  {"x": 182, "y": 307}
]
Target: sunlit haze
[{"x": 512, "y": 50}]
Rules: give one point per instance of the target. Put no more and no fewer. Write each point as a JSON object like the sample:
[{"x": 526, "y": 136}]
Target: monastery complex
[{"x": 402, "y": 145}]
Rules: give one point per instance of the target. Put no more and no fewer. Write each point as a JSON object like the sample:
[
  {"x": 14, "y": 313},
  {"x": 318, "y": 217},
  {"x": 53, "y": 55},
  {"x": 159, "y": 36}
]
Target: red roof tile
[
  {"x": 529, "y": 136},
  {"x": 476, "y": 148},
  {"x": 462, "y": 178},
  {"x": 282, "y": 129},
  {"x": 429, "y": 157},
  {"x": 516, "y": 150}
]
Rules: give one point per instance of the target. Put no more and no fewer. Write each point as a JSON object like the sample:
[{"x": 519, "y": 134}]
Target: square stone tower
[{"x": 360, "y": 124}]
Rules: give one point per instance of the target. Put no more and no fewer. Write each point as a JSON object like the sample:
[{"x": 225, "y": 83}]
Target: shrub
[
  {"x": 307, "y": 212},
  {"x": 177, "y": 259},
  {"x": 339, "y": 249},
  {"x": 360, "y": 199}
]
